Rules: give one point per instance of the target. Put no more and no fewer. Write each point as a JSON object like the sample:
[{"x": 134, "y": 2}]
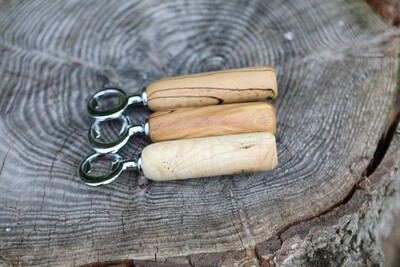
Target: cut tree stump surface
[{"x": 338, "y": 71}]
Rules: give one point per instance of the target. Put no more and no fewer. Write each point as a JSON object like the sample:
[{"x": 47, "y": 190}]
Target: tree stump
[{"x": 326, "y": 204}]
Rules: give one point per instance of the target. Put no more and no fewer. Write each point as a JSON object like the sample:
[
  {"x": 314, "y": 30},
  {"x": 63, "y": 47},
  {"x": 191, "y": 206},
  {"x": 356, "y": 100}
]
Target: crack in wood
[
  {"x": 387, "y": 136},
  {"x": 379, "y": 154},
  {"x": 4, "y": 159},
  {"x": 58, "y": 151}
]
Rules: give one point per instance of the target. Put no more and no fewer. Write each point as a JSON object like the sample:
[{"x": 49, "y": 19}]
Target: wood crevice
[
  {"x": 387, "y": 137},
  {"x": 190, "y": 261},
  {"x": 361, "y": 201}
]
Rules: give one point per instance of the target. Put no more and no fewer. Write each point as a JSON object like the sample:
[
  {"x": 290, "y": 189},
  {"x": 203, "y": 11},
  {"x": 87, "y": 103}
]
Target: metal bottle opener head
[
  {"x": 123, "y": 101},
  {"x": 118, "y": 165},
  {"x": 126, "y": 130}
]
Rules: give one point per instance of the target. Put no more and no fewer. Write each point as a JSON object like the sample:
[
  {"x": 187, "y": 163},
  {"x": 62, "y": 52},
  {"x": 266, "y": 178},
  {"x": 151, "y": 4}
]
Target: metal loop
[
  {"x": 117, "y": 167},
  {"x": 123, "y": 101},
  {"x": 126, "y": 131}
]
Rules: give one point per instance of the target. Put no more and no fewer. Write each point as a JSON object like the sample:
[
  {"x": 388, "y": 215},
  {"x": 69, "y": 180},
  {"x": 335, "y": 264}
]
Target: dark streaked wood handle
[
  {"x": 212, "y": 121},
  {"x": 213, "y": 88}
]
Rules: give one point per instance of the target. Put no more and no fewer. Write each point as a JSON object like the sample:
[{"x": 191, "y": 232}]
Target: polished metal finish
[
  {"x": 126, "y": 131},
  {"x": 123, "y": 101},
  {"x": 118, "y": 165},
  {"x": 144, "y": 97},
  {"x": 146, "y": 127},
  {"x": 139, "y": 164}
]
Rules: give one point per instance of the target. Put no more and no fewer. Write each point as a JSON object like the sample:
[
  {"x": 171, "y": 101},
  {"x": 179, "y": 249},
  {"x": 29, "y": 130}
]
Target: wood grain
[
  {"x": 337, "y": 70},
  {"x": 213, "y": 88},
  {"x": 212, "y": 121},
  {"x": 207, "y": 156}
]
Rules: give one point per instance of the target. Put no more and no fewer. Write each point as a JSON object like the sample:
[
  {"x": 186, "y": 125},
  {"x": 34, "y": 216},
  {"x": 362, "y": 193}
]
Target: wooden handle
[
  {"x": 212, "y": 121},
  {"x": 209, "y": 156},
  {"x": 213, "y": 88}
]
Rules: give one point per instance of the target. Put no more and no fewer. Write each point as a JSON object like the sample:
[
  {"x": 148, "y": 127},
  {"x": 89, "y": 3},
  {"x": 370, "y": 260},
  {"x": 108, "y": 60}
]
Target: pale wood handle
[
  {"x": 212, "y": 121},
  {"x": 213, "y": 88},
  {"x": 209, "y": 156}
]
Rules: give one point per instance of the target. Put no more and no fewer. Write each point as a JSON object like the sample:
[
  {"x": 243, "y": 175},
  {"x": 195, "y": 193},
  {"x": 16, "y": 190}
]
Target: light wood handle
[
  {"x": 212, "y": 121},
  {"x": 213, "y": 88},
  {"x": 209, "y": 156}
]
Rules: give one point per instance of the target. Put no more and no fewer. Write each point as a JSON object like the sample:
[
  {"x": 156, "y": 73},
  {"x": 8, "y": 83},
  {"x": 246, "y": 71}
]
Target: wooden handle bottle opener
[
  {"x": 203, "y": 89},
  {"x": 192, "y": 158},
  {"x": 191, "y": 123}
]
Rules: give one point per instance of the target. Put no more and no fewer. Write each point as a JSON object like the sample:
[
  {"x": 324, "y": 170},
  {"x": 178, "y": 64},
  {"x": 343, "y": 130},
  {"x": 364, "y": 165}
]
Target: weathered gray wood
[
  {"x": 349, "y": 235},
  {"x": 338, "y": 69},
  {"x": 391, "y": 245}
]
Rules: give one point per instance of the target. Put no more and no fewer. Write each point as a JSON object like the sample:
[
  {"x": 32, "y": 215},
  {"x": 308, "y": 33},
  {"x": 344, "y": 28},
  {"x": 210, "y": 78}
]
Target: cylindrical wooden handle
[
  {"x": 209, "y": 156},
  {"x": 212, "y": 121},
  {"x": 213, "y": 88}
]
